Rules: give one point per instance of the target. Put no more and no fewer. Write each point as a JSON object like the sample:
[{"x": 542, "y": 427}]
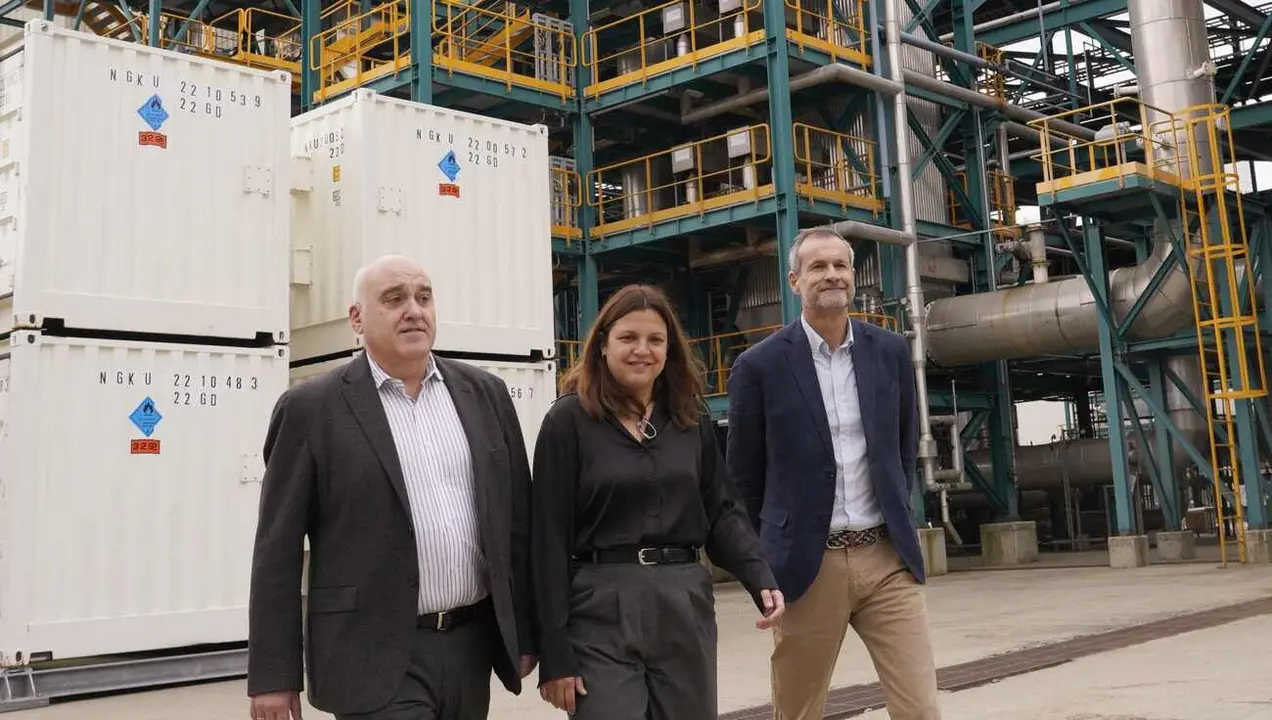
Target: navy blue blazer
[{"x": 780, "y": 454}]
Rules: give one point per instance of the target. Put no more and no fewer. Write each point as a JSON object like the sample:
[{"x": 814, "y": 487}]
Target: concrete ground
[{"x": 1220, "y": 673}]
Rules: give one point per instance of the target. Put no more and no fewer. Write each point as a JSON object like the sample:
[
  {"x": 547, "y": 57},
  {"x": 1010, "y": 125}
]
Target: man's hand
[
  {"x": 528, "y": 662},
  {"x": 561, "y": 692},
  {"x": 276, "y": 706},
  {"x": 774, "y": 607}
]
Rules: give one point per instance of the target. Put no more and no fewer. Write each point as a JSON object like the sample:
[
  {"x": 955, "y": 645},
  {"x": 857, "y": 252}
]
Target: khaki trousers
[{"x": 870, "y": 589}]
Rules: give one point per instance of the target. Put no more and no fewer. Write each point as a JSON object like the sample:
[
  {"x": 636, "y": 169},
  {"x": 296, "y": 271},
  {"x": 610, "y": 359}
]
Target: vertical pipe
[{"x": 913, "y": 283}]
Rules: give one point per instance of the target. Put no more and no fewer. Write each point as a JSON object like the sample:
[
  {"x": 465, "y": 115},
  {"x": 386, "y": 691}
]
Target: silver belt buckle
[{"x": 640, "y": 556}]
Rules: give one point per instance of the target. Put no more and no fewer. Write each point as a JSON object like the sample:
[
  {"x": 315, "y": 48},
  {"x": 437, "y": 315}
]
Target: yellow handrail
[
  {"x": 1002, "y": 201},
  {"x": 644, "y": 41},
  {"x": 697, "y": 176},
  {"x": 567, "y": 198},
  {"x": 1126, "y": 130},
  {"x": 331, "y": 51},
  {"x": 243, "y": 37},
  {"x": 494, "y": 43},
  {"x": 837, "y": 27},
  {"x": 825, "y": 167}
]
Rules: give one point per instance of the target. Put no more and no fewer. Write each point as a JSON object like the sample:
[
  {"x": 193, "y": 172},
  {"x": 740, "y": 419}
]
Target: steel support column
[
  {"x": 1097, "y": 275},
  {"x": 1166, "y": 484},
  {"x": 783, "y": 151},
  {"x": 310, "y": 27},
  {"x": 422, "y": 50},
  {"x": 588, "y": 276}
]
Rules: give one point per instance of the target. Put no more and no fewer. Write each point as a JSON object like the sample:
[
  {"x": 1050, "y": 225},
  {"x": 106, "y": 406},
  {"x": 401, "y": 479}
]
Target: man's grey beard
[{"x": 830, "y": 300}]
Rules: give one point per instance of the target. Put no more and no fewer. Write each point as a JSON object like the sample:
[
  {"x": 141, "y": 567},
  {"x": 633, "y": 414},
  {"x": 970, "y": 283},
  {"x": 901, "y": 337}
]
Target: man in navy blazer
[{"x": 823, "y": 438}]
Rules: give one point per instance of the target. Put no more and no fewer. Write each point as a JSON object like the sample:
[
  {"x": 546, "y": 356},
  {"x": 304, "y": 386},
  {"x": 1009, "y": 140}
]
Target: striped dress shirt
[{"x": 437, "y": 466}]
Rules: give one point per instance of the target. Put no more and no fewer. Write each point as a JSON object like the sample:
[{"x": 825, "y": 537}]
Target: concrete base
[
  {"x": 1009, "y": 543},
  {"x": 1129, "y": 551},
  {"x": 932, "y": 543},
  {"x": 1180, "y": 545},
  {"x": 1259, "y": 547}
]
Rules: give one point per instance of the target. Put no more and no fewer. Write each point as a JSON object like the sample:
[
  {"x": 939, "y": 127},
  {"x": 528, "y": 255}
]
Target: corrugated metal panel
[
  {"x": 763, "y": 284},
  {"x": 151, "y": 188},
  {"x": 532, "y": 386},
  {"x": 115, "y": 541},
  {"x": 931, "y": 201},
  {"x": 380, "y": 186}
]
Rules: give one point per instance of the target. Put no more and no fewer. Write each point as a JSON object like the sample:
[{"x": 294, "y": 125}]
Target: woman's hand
[
  {"x": 774, "y": 607},
  {"x": 560, "y": 693}
]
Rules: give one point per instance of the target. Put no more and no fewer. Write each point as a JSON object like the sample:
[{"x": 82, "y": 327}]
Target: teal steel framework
[{"x": 1077, "y": 42}]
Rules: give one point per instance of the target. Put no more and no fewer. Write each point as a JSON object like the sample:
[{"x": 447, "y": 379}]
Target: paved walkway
[{"x": 1220, "y": 672}]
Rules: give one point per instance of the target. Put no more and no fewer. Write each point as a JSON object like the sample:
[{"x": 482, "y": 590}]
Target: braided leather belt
[{"x": 841, "y": 539}]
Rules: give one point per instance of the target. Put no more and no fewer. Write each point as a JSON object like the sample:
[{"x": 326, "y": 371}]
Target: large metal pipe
[
  {"x": 971, "y": 97},
  {"x": 823, "y": 74},
  {"x": 1009, "y": 19},
  {"x": 945, "y": 50},
  {"x": 909, "y": 224},
  {"x": 1061, "y": 316},
  {"x": 853, "y": 230}
]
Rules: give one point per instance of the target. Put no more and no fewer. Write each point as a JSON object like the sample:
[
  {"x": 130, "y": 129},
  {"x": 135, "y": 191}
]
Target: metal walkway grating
[{"x": 845, "y": 702}]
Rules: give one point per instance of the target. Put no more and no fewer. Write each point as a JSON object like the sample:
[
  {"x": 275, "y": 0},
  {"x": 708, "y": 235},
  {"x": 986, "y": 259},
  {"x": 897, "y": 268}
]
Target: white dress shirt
[
  {"x": 437, "y": 467},
  {"x": 855, "y": 505}
]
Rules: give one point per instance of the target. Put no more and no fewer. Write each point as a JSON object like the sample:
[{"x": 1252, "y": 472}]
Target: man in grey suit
[{"x": 409, "y": 475}]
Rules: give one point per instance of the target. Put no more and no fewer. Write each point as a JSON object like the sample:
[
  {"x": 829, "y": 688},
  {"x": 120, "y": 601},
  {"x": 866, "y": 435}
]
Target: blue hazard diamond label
[
  {"x": 146, "y": 417},
  {"x": 153, "y": 113},
  {"x": 449, "y": 166}
]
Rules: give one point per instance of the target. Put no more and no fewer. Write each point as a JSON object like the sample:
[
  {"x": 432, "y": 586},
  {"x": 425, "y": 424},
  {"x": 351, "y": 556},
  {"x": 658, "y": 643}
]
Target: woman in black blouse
[{"x": 628, "y": 484}]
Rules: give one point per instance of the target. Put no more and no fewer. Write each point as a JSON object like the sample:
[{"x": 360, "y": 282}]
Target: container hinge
[
  {"x": 391, "y": 200},
  {"x": 253, "y": 468},
  {"x": 302, "y": 272},
  {"x": 258, "y": 180}
]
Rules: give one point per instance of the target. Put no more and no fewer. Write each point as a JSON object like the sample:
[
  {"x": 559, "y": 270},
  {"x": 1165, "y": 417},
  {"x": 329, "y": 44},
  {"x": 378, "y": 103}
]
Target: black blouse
[{"x": 596, "y": 487}]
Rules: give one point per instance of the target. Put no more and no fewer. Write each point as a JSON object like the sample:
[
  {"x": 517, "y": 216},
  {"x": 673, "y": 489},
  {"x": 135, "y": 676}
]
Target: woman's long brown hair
[{"x": 680, "y": 384}]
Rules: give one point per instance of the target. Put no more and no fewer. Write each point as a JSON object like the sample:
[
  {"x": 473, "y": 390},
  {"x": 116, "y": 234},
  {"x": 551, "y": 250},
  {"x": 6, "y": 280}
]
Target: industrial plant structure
[{"x": 1054, "y": 200}]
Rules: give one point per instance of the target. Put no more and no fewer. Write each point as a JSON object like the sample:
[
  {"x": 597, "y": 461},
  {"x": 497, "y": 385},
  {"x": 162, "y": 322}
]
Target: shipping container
[
  {"x": 532, "y": 386},
  {"x": 465, "y": 196},
  {"x": 131, "y": 473},
  {"x": 143, "y": 190}
]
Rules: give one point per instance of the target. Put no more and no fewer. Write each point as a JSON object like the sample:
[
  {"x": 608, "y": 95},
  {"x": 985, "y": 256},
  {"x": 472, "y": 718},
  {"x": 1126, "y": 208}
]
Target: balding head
[
  {"x": 371, "y": 271},
  {"x": 393, "y": 311}
]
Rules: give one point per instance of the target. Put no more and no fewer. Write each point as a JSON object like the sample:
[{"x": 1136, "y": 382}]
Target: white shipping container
[
  {"x": 532, "y": 386},
  {"x": 142, "y": 189},
  {"x": 131, "y": 474},
  {"x": 465, "y": 196}
]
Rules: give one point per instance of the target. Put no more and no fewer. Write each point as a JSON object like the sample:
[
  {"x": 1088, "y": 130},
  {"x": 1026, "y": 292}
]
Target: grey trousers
[
  {"x": 448, "y": 677},
  {"x": 645, "y": 637}
]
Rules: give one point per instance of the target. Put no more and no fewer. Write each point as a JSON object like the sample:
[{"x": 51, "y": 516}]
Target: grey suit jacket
[{"x": 332, "y": 473}]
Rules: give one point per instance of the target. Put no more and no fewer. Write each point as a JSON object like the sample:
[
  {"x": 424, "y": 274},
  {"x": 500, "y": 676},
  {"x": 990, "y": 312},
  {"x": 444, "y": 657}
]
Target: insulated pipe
[
  {"x": 1009, "y": 19},
  {"x": 946, "y": 50},
  {"x": 913, "y": 279},
  {"x": 824, "y": 74},
  {"x": 1060, "y": 316},
  {"x": 853, "y": 230},
  {"x": 971, "y": 97}
]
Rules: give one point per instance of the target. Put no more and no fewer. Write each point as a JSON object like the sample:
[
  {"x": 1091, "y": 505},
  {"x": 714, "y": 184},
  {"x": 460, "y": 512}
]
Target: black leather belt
[
  {"x": 451, "y": 619},
  {"x": 666, "y": 555},
  {"x": 841, "y": 539}
]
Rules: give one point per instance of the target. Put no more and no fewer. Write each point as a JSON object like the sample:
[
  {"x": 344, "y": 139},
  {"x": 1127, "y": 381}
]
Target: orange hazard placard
[
  {"x": 153, "y": 139},
  {"x": 145, "y": 447}
]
